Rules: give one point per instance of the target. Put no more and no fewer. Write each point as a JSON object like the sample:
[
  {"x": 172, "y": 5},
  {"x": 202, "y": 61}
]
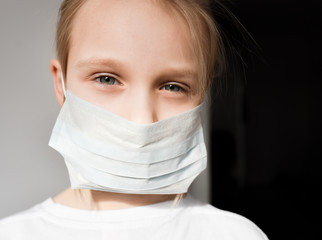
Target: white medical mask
[{"x": 106, "y": 152}]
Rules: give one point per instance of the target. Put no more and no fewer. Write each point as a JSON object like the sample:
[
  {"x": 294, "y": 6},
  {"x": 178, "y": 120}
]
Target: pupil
[
  {"x": 173, "y": 88},
  {"x": 105, "y": 79}
]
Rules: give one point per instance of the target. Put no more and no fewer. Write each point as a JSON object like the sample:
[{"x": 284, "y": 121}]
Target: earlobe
[{"x": 56, "y": 70}]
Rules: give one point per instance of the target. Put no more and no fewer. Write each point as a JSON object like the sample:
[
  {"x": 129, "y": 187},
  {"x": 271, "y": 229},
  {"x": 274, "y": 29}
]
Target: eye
[
  {"x": 172, "y": 88},
  {"x": 107, "y": 80}
]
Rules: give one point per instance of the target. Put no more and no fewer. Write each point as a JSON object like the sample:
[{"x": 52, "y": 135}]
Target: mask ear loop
[{"x": 63, "y": 83}]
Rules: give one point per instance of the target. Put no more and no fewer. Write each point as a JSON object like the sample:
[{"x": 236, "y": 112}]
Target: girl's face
[{"x": 132, "y": 58}]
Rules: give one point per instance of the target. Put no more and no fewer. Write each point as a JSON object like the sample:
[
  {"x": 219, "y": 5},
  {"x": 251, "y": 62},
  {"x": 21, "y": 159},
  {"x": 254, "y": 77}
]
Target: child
[{"x": 130, "y": 78}]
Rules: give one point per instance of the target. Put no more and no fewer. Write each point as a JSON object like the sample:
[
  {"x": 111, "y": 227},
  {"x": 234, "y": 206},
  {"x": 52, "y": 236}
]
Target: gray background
[{"x": 30, "y": 171}]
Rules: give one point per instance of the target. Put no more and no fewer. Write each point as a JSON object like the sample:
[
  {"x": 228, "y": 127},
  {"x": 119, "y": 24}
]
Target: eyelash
[
  {"x": 171, "y": 86},
  {"x": 167, "y": 86},
  {"x": 99, "y": 80}
]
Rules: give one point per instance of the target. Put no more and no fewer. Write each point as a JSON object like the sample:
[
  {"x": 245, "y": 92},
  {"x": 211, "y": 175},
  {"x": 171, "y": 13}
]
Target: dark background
[{"x": 266, "y": 137}]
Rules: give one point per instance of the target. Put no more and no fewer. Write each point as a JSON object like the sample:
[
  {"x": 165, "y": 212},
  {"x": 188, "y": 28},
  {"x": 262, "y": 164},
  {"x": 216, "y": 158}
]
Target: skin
[{"x": 132, "y": 58}]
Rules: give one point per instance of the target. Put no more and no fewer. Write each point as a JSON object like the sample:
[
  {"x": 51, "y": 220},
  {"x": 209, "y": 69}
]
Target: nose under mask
[{"x": 106, "y": 152}]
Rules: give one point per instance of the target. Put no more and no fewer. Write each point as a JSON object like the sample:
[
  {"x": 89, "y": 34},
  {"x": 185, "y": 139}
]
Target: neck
[{"x": 99, "y": 200}]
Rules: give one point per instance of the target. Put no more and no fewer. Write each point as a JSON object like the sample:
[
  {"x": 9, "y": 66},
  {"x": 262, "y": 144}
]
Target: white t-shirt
[{"x": 191, "y": 219}]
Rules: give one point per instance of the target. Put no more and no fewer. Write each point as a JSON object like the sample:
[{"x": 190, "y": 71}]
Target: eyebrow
[
  {"x": 91, "y": 62},
  {"x": 170, "y": 72}
]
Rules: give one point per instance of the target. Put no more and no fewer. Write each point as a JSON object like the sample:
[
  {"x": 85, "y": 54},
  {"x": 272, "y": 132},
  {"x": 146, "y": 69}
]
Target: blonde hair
[{"x": 67, "y": 12}]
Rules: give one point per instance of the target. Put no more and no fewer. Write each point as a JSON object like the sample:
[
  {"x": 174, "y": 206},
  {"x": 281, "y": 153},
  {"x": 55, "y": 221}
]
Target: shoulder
[
  {"x": 221, "y": 223},
  {"x": 17, "y": 225}
]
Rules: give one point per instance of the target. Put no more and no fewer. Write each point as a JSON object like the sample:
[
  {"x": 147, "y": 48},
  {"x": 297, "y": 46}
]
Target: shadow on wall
[{"x": 266, "y": 147}]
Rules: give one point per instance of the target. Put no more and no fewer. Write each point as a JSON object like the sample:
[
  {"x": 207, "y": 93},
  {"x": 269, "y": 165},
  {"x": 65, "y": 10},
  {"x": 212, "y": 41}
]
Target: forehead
[{"x": 142, "y": 31}]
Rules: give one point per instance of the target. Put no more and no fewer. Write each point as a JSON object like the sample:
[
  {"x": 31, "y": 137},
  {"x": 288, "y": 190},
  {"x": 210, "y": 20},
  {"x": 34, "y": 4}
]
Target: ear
[{"x": 56, "y": 70}]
